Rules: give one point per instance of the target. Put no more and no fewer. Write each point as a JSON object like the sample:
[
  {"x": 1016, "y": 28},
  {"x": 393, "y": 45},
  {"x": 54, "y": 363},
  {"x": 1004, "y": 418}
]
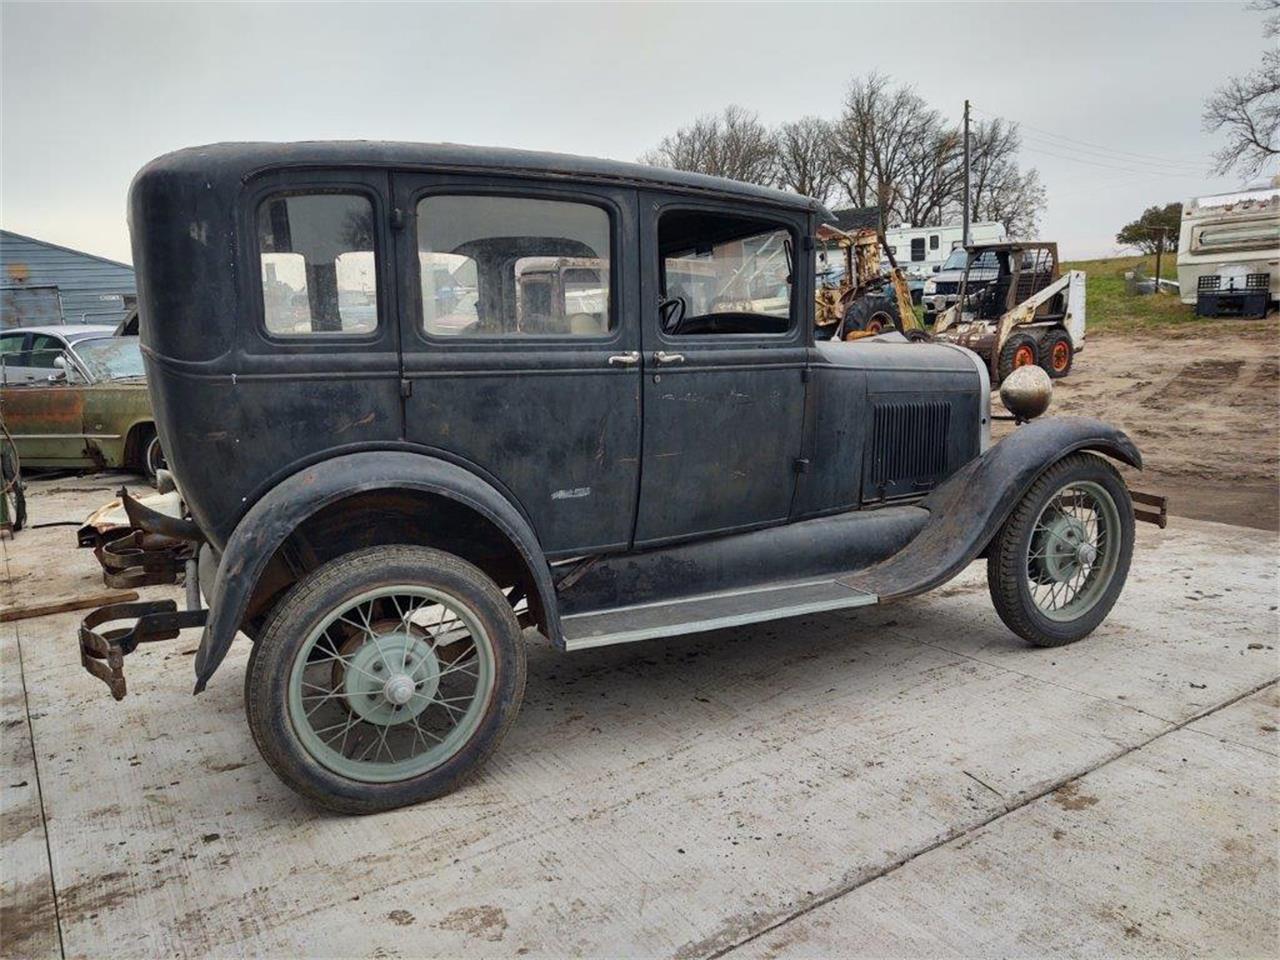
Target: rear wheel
[
  {"x": 384, "y": 678},
  {"x": 1057, "y": 353},
  {"x": 871, "y": 314},
  {"x": 1060, "y": 560},
  {"x": 1018, "y": 351}
]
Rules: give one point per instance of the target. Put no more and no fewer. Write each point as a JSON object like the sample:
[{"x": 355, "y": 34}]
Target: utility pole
[
  {"x": 1159, "y": 250},
  {"x": 966, "y": 173}
]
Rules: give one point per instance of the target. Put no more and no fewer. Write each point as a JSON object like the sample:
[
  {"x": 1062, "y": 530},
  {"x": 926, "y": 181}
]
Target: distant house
[
  {"x": 43, "y": 283},
  {"x": 857, "y": 218}
]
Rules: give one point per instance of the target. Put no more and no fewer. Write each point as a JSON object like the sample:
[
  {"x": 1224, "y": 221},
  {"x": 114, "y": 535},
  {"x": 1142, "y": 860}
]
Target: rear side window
[
  {"x": 513, "y": 267},
  {"x": 917, "y": 249},
  {"x": 319, "y": 271}
]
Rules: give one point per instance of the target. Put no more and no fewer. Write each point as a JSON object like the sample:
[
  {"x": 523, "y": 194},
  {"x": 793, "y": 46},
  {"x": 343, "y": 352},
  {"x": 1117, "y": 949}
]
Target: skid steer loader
[{"x": 1029, "y": 312}]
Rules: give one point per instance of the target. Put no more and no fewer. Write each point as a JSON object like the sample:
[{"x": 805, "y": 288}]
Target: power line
[
  {"x": 1177, "y": 166},
  {"x": 1111, "y": 166},
  {"x": 1117, "y": 153}
]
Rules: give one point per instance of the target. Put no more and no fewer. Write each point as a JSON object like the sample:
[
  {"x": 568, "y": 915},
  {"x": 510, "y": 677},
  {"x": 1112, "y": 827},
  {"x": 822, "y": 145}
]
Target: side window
[
  {"x": 724, "y": 274},
  {"x": 513, "y": 266},
  {"x": 933, "y": 241},
  {"x": 319, "y": 273},
  {"x": 44, "y": 350},
  {"x": 11, "y": 343},
  {"x": 917, "y": 249}
]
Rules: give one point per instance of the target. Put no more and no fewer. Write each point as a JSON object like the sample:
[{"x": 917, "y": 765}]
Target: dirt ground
[{"x": 1203, "y": 409}]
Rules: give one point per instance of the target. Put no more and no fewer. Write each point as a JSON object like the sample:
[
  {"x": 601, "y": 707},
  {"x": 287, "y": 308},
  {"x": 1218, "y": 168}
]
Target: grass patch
[{"x": 1109, "y": 307}]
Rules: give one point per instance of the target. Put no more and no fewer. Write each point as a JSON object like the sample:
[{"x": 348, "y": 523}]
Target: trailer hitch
[{"x": 102, "y": 653}]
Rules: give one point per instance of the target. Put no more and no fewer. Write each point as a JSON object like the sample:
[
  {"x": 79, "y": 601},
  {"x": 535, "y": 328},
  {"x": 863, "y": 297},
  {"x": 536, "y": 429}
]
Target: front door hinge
[
  {"x": 801, "y": 465},
  {"x": 397, "y": 218},
  {"x": 406, "y": 387}
]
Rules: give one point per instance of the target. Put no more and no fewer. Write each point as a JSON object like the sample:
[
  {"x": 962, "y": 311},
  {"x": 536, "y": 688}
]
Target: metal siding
[{"x": 91, "y": 288}]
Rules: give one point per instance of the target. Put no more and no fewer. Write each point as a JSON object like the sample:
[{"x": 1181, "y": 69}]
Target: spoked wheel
[
  {"x": 1060, "y": 561},
  {"x": 384, "y": 678}
]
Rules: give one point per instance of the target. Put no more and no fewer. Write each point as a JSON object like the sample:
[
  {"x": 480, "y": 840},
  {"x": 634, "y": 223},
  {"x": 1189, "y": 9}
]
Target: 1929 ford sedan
[{"x": 421, "y": 401}]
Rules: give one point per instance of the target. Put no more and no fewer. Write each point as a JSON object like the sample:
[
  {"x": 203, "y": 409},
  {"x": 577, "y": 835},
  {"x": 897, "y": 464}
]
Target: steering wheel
[{"x": 671, "y": 311}]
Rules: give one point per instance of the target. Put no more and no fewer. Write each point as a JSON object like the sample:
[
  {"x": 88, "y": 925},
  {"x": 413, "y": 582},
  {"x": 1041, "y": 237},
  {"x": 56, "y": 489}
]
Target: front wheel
[
  {"x": 1060, "y": 560},
  {"x": 384, "y": 678}
]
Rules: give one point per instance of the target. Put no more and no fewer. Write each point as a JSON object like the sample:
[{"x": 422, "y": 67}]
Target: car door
[
  {"x": 44, "y": 408},
  {"x": 520, "y": 345},
  {"x": 724, "y": 383}
]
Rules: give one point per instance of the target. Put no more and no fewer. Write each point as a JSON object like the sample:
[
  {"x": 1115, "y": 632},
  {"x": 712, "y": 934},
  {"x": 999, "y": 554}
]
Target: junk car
[
  {"x": 76, "y": 396},
  {"x": 391, "y": 491}
]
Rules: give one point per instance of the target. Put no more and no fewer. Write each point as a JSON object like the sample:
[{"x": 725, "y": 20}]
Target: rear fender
[
  {"x": 967, "y": 510},
  {"x": 271, "y": 520}
]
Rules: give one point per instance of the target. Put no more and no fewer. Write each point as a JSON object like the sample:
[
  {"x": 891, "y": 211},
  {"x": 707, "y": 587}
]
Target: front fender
[
  {"x": 966, "y": 511},
  {"x": 269, "y": 522}
]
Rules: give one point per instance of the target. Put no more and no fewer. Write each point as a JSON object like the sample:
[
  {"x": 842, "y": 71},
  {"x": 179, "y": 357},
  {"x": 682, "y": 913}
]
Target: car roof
[
  {"x": 243, "y": 160},
  {"x": 70, "y": 332}
]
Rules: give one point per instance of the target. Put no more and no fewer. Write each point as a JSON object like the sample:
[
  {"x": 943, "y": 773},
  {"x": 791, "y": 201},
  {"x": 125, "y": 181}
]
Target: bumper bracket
[{"x": 102, "y": 652}]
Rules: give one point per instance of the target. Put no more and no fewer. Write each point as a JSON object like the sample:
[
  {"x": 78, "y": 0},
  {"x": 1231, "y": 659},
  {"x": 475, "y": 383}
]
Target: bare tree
[
  {"x": 1247, "y": 108},
  {"x": 875, "y": 137},
  {"x": 806, "y": 157},
  {"x": 999, "y": 189},
  {"x": 733, "y": 144}
]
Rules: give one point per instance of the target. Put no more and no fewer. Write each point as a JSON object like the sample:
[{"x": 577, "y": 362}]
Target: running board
[{"x": 711, "y": 611}]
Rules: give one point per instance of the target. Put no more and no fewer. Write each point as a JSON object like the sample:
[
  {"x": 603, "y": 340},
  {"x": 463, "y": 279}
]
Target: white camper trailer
[
  {"x": 1229, "y": 251},
  {"x": 921, "y": 251}
]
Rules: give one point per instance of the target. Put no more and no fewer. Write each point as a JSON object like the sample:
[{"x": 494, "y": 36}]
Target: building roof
[
  {"x": 12, "y": 235},
  {"x": 241, "y": 160},
  {"x": 849, "y": 219}
]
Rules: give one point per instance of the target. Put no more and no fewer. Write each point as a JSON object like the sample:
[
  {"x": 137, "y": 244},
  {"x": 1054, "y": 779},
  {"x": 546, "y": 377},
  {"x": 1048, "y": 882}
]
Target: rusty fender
[
  {"x": 270, "y": 521},
  {"x": 967, "y": 510}
]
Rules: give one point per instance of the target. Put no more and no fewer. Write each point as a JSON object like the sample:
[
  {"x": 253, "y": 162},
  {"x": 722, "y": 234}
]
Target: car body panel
[{"x": 65, "y": 416}]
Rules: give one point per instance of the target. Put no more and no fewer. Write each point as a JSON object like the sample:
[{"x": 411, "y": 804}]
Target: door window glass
[
  {"x": 44, "y": 351},
  {"x": 513, "y": 266},
  {"x": 724, "y": 274},
  {"x": 319, "y": 270}
]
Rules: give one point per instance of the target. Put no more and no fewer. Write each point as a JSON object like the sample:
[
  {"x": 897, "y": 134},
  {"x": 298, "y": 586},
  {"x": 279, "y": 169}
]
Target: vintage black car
[{"x": 422, "y": 401}]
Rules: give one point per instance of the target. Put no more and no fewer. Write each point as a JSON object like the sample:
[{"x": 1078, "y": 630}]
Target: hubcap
[
  {"x": 391, "y": 683},
  {"x": 1074, "y": 549}
]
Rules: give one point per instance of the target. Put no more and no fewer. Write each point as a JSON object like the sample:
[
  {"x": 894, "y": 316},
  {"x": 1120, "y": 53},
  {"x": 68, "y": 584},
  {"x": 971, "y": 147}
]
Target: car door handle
[
  {"x": 625, "y": 359},
  {"x": 663, "y": 357}
]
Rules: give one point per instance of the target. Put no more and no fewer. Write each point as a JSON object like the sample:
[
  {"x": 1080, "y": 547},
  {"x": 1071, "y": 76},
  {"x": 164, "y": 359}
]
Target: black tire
[
  {"x": 150, "y": 456},
  {"x": 1057, "y": 353},
  {"x": 917, "y": 336},
  {"x": 304, "y": 607},
  {"x": 1007, "y": 557},
  {"x": 867, "y": 312},
  {"x": 1019, "y": 350}
]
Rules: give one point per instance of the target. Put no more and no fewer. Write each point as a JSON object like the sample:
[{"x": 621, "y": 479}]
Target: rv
[
  {"x": 1229, "y": 251},
  {"x": 921, "y": 251}
]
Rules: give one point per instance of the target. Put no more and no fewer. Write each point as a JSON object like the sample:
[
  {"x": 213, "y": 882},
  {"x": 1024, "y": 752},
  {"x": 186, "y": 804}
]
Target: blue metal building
[{"x": 43, "y": 283}]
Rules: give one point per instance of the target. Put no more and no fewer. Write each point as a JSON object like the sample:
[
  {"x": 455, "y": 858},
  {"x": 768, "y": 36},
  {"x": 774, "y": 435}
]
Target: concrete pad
[
  {"x": 671, "y": 797},
  {"x": 1169, "y": 851},
  {"x": 28, "y": 920}
]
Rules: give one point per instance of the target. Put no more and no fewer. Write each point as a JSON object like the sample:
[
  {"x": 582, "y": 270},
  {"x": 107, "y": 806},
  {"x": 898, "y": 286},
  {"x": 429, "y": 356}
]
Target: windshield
[
  {"x": 956, "y": 260},
  {"x": 111, "y": 358}
]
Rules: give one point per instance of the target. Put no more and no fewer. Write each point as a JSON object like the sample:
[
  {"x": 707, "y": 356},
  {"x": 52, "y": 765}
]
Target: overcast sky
[{"x": 90, "y": 93}]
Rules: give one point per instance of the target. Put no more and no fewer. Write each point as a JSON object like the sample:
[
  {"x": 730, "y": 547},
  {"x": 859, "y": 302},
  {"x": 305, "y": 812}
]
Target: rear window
[{"x": 319, "y": 270}]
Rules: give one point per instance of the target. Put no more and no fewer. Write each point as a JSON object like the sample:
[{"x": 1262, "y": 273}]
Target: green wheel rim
[
  {"x": 391, "y": 683},
  {"x": 1073, "y": 551}
]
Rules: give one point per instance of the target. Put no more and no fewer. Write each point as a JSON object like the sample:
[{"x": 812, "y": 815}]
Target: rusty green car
[{"x": 76, "y": 396}]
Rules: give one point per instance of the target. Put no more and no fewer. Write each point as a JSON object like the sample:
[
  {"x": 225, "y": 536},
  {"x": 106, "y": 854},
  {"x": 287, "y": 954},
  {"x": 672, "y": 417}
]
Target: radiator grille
[{"x": 908, "y": 445}]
